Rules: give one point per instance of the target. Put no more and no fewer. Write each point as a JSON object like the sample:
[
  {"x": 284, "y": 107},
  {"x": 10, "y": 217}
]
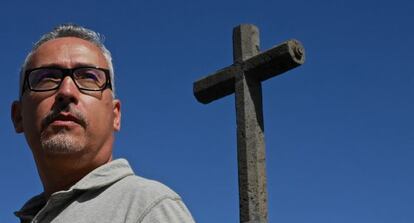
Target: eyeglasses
[{"x": 50, "y": 78}]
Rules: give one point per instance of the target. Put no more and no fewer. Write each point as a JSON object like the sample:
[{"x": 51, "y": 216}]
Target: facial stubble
[{"x": 63, "y": 140}]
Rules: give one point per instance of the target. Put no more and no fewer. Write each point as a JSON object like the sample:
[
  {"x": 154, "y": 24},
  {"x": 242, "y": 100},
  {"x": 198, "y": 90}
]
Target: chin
[{"x": 63, "y": 144}]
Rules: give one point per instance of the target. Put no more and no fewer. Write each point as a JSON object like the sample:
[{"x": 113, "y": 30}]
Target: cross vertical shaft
[{"x": 250, "y": 130}]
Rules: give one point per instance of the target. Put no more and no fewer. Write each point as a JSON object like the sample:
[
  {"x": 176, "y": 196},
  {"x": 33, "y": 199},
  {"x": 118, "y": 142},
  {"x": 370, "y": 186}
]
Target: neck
[{"x": 61, "y": 173}]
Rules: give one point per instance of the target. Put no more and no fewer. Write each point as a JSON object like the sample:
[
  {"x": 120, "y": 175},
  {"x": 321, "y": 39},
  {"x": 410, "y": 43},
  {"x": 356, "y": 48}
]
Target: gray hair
[{"x": 71, "y": 30}]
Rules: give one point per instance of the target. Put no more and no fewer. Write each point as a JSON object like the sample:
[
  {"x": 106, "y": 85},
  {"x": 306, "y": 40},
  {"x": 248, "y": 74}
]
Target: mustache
[{"x": 55, "y": 113}]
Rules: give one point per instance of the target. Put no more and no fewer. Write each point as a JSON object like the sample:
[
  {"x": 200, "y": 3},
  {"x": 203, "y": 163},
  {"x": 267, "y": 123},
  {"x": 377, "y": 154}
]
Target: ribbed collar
[{"x": 102, "y": 176}]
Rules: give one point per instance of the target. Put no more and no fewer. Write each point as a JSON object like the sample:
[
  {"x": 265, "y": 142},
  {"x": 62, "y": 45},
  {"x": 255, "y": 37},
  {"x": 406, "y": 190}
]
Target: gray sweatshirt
[{"x": 110, "y": 193}]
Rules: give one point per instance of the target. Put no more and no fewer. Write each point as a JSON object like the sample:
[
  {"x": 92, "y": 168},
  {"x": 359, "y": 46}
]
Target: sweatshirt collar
[{"x": 100, "y": 177}]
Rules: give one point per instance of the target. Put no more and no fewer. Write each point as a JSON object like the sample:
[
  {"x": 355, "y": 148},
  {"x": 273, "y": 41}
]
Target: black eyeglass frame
[{"x": 67, "y": 72}]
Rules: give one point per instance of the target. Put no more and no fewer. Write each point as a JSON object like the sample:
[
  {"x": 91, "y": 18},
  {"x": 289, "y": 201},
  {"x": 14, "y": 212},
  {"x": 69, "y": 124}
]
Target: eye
[
  {"x": 44, "y": 76},
  {"x": 90, "y": 78},
  {"x": 87, "y": 75}
]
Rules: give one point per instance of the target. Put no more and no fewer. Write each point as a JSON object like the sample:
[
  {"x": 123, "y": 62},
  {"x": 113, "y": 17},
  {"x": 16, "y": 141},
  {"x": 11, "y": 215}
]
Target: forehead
[{"x": 67, "y": 52}]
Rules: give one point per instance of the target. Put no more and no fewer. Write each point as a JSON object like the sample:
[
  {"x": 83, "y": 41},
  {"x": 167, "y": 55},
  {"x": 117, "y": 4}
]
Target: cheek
[
  {"x": 33, "y": 112},
  {"x": 100, "y": 116}
]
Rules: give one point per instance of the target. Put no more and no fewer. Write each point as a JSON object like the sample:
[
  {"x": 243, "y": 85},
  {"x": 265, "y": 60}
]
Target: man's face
[{"x": 68, "y": 121}]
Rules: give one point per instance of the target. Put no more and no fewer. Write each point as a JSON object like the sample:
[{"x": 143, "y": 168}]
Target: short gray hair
[{"x": 71, "y": 30}]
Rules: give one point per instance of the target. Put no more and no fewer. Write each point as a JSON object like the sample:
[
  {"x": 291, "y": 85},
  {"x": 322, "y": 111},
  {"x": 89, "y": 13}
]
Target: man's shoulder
[
  {"x": 157, "y": 202},
  {"x": 144, "y": 188},
  {"x": 116, "y": 179},
  {"x": 132, "y": 198}
]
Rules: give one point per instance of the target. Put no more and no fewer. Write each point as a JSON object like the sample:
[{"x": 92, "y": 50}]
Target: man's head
[
  {"x": 71, "y": 30},
  {"x": 67, "y": 107}
]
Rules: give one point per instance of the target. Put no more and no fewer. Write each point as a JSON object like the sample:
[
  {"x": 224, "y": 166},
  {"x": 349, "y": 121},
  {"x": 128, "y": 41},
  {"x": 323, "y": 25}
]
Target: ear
[
  {"x": 16, "y": 116},
  {"x": 117, "y": 114}
]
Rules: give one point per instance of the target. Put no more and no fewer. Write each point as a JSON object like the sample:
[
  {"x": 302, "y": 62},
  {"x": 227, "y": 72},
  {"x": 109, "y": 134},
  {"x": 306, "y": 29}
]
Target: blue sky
[{"x": 339, "y": 129}]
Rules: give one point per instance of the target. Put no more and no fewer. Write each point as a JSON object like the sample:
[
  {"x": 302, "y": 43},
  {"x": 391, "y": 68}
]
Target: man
[{"x": 68, "y": 114}]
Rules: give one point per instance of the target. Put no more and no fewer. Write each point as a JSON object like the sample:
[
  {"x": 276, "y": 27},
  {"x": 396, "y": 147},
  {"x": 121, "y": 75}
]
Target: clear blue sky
[{"x": 339, "y": 129}]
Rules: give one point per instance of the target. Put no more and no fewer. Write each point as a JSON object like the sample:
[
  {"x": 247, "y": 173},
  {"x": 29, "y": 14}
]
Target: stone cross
[{"x": 244, "y": 77}]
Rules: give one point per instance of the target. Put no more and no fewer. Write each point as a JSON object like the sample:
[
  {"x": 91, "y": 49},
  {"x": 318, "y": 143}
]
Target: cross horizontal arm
[
  {"x": 275, "y": 61},
  {"x": 217, "y": 85},
  {"x": 270, "y": 63}
]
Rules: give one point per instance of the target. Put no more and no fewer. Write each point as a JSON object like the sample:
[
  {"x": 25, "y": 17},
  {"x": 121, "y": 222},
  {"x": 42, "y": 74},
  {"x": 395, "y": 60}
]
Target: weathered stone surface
[
  {"x": 244, "y": 78},
  {"x": 250, "y": 137},
  {"x": 270, "y": 63}
]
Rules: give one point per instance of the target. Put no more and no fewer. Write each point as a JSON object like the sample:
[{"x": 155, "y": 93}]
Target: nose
[{"x": 67, "y": 92}]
